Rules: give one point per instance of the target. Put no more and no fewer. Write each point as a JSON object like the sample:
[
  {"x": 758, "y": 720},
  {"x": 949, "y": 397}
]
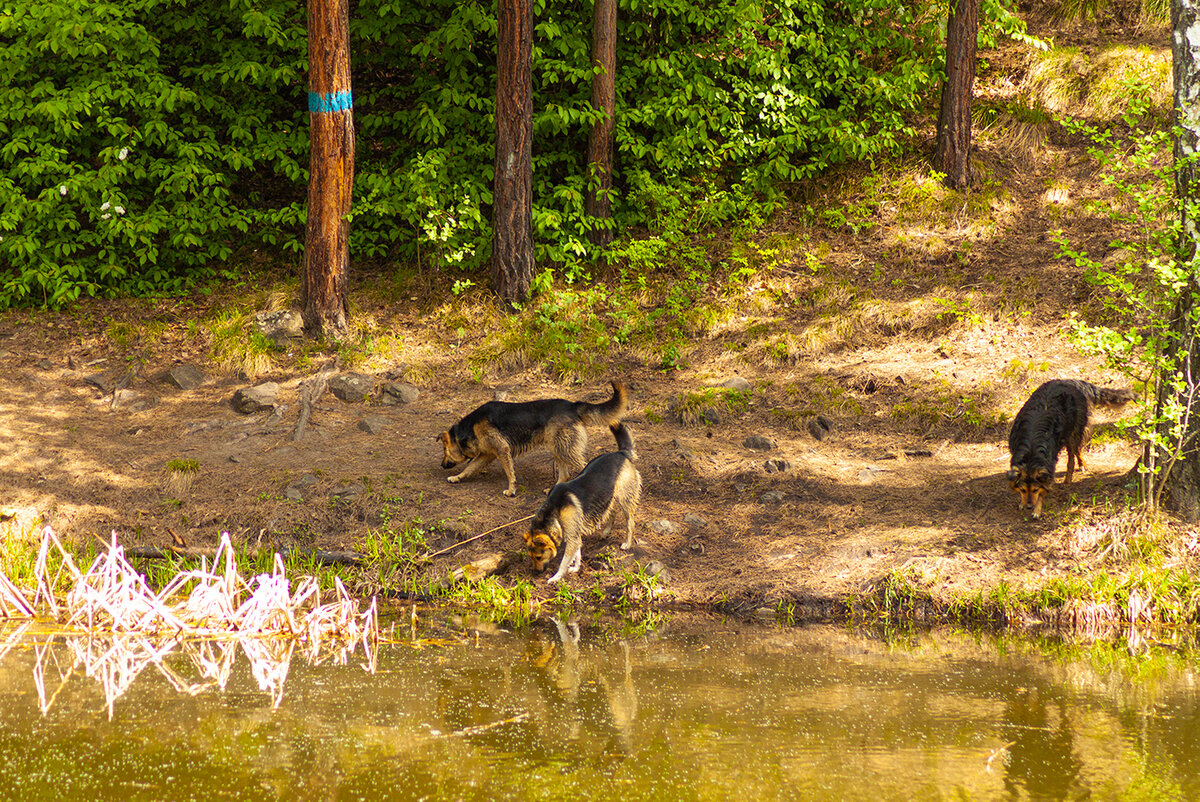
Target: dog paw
[
  {"x": 627, "y": 546},
  {"x": 453, "y": 480},
  {"x": 509, "y": 493}
]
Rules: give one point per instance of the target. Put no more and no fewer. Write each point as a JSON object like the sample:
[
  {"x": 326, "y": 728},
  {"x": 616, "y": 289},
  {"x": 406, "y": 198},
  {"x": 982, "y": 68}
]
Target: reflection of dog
[
  {"x": 584, "y": 504},
  {"x": 502, "y": 430},
  {"x": 1054, "y": 416}
]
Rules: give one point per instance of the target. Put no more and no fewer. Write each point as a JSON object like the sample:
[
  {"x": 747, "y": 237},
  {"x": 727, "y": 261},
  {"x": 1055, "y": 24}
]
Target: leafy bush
[{"x": 146, "y": 142}]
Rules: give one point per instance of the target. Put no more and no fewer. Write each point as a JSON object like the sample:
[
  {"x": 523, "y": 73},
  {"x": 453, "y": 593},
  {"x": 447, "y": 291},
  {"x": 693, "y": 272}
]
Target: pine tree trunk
[
  {"x": 331, "y": 169},
  {"x": 1179, "y": 481},
  {"x": 512, "y": 210},
  {"x": 953, "y": 156},
  {"x": 600, "y": 141}
]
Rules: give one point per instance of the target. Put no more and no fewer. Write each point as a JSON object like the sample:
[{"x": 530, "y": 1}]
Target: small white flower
[
  {"x": 123, "y": 154},
  {"x": 119, "y": 209},
  {"x": 105, "y": 216},
  {"x": 62, "y": 190},
  {"x": 104, "y": 206}
]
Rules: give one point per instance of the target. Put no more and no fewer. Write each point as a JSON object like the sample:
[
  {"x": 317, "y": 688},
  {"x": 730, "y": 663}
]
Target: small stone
[
  {"x": 132, "y": 401},
  {"x": 771, "y": 497},
  {"x": 293, "y": 494},
  {"x": 399, "y": 393},
  {"x": 819, "y": 427},
  {"x": 777, "y": 465},
  {"x": 104, "y": 382},
  {"x": 737, "y": 383},
  {"x": 758, "y": 442},
  {"x": 661, "y": 526},
  {"x": 349, "y": 492},
  {"x": 657, "y": 569},
  {"x": 710, "y": 417},
  {"x": 185, "y": 377},
  {"x": 373, "y": 424},
  {"x": 234, "y": 458},
  {"x": 352, "y": 387},
  {"x": 45, "y": 364},
  {"x": 280, "y": 326},
  {"x": 694, "y": 521},
  {"x": 254, "y": 399}
]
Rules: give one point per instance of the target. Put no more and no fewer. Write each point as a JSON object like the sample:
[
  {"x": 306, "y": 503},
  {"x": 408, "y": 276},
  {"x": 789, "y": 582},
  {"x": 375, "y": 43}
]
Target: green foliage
[
  {"x": 1139, "y": 286},
  {"x": 142, "y": 144}
]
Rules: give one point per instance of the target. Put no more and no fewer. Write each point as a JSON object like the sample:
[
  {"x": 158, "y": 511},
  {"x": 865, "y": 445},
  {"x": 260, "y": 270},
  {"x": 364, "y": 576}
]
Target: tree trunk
[
  {"x": 1179, "y": 478},
  {"x": 331, "y": 170},
  {"x": 953, "y": 156},
  {"x": 600, "y": 141},
  {"x": 512, "y": 209}
]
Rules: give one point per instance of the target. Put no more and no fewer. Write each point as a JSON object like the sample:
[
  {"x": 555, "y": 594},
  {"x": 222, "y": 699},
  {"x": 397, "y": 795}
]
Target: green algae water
[{"x": 695, "y": 710}]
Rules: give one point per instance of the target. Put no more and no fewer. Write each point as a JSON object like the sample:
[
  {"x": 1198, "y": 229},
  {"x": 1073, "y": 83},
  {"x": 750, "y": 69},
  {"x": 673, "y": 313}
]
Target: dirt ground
[{"x": 924, "y": 493}]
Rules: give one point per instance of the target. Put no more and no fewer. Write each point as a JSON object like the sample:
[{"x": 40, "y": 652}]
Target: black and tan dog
[
  {"x": 584, "y": 505},
  {"x": 502, "y": 430},
  {"x": 1055, "y": 416}
]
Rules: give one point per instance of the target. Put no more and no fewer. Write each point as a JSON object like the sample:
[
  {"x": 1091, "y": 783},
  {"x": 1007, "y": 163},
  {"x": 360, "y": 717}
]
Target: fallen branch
[
  {"x": 310, "y": 391},
  {"x": 481, "y": 534},
  {"x": 196, "y": 552}
]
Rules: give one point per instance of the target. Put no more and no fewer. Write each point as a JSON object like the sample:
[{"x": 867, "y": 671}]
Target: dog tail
[
  {"x": 624, "y": 440},
  {"x": 1105, "y": 396},
  {"x": 606, "y": 413}
]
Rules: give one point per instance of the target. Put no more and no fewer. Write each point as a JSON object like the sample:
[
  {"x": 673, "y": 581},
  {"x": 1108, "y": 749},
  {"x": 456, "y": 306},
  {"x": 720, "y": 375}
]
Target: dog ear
[
  {"x": 1043, "y": 476},
  {"x": 528, "y": 538},
  {"x": 1014, "y": 474}
]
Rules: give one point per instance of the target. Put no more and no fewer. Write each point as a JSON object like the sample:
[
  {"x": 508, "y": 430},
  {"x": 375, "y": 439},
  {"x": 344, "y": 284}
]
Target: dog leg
[
  {"x": 630, "y": 506},
  {"x": 504, "y": 454},
  {"x": 1071, "y": 465},
  {"x": 476, "y": 465}
]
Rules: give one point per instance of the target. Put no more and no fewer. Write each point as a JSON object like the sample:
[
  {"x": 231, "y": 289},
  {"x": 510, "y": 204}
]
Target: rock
[
  {"x": 771, "y": 497},
  {"x": 349, "y": 492},
  {"x": 758, "y": 442},
  {"x": 694, "y": 521},
  {"x": 352, "y": 387},
  {"x": 185, "y": 377},
  {"x": 737, "y": 383},
  {"x": 777, "y": 465},
  {"x": 661, "y": 526},
  {"x": 132, "y": 401},
  {"x": 657, "y": 569},
  {"x": 280, "y": 326},
  {"x": 399, "y": 393},
  {"x": 45, "y": 364},
  {"x": 235, "y": 458},
  {"x": 105, "y": 382},
  {"x": 478, "y": 569},
  {"x": 253, "y": 399},
  {"x": 711, "y": 417},
  {"x": 293, "y": 494},
  {"x": 373, "y": 424},
  {"x": 819, "y": 427}
]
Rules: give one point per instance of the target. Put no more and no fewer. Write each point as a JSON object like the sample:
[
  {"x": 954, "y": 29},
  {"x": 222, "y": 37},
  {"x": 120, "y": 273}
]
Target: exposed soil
[{"x": 883, "y": 491}]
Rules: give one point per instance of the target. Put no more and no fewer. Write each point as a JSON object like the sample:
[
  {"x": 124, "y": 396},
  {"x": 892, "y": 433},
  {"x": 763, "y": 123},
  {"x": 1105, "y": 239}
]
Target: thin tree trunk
[
  {"x": 331, "y": 171},
  {"x": 953, "y": 156},
  {"x": 1179, "y": 479},
  {"x": 512, "y": 210},
  {"x": 600, "y": 141}
]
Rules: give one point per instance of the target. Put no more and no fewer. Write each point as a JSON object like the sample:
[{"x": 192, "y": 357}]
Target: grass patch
[{"x": 704, "y": 406}]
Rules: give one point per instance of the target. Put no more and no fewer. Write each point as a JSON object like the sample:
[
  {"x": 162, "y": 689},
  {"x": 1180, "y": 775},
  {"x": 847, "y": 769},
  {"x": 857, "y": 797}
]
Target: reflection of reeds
[{"x": 204, "y": 614}]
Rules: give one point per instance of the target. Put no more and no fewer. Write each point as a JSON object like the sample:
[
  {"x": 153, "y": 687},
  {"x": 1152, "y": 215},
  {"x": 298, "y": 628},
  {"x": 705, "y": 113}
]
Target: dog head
[
  {"x": 1031, "y": 485},
  {"x": 542, "y": 548},
  {"x": 452, "y": 452}
]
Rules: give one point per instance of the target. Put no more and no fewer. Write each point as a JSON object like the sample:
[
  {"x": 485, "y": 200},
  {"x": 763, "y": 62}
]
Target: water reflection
[{"x": 566, "y": 709}]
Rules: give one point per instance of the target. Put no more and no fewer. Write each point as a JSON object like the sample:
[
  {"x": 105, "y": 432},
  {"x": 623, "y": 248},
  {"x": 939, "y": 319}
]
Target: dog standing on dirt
[
  {"x": 1055, "y": 416},
  {"x": 502, "y": 430},
  {"x": 585, "y": 504}
]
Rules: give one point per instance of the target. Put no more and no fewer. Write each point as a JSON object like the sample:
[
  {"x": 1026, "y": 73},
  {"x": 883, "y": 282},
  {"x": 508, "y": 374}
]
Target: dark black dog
[{"x": 1055, "y": 416}]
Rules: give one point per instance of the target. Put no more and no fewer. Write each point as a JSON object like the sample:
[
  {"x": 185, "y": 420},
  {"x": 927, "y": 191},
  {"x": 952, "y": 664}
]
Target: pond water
[{"x": 696, "y": 709}]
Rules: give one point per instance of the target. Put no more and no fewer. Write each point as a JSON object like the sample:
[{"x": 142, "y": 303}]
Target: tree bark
[
  {"x": 331, "y": 168},
  {"x": 512, "y": 209},
  {"x": 597, "y": 203},
  {"x": 1179, "y": 478},
  {"x": 953, "y": 155}
]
